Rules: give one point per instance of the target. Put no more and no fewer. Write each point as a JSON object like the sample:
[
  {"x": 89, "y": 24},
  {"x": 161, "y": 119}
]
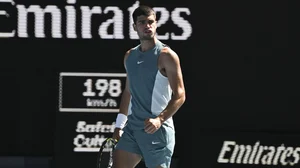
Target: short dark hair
[{"x": 142, "y": 10}]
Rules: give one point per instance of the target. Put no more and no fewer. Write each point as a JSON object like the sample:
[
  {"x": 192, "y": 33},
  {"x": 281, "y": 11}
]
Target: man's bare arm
[
  {"x": 125, "y": 98},
  {"x": 123, "y": 110},
  {"x": 171, "y": 64}
]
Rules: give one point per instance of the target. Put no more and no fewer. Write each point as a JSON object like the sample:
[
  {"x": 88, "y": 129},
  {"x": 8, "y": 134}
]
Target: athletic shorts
[{"x": 156, "y": 149}]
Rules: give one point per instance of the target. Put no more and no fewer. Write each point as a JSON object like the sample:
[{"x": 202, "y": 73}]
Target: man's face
[{"x": 145, "y": 27}]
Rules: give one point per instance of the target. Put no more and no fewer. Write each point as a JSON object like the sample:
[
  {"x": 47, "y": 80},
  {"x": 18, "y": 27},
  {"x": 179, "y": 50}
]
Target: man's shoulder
[
  {"x": 167, "y": 51},
  {"x": 132, "y": 49},
  {"x": 135, "y": 47},
  {"x": 167, "y": 54},
  {"x": 164, "y": 45}
]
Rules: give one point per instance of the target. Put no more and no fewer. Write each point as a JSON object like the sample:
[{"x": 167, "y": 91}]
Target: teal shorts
[{"x": 156, "y": 149}]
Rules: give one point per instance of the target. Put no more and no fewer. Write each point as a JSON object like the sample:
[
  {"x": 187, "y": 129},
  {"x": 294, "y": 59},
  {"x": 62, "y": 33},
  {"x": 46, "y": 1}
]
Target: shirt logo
[
  {"x": 154, "y": 142},
  {"x": 139, "y": 62}
]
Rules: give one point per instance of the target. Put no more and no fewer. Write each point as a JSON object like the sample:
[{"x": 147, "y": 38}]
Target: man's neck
[{"x": 148, "y": 44}]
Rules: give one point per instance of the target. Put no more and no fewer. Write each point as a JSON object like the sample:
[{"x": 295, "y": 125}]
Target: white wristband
[{"x": 121, "y": 120}]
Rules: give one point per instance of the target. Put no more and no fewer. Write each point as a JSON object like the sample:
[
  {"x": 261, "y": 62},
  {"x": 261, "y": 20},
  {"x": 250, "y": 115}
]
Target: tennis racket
[{"x": 104, "y": 156}]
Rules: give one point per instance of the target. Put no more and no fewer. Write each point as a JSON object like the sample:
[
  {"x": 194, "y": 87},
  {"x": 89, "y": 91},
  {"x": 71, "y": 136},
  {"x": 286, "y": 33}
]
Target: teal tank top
[{"x": 150, "y": 90}]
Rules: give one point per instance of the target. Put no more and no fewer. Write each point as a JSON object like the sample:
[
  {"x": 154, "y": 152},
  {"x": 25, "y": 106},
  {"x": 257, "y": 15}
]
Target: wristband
[{"x": 121, "y": 120}]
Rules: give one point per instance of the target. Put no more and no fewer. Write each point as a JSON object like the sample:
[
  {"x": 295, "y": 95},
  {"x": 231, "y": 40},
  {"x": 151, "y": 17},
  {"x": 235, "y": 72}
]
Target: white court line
[
  {"x": 92, "y": 74},
  {"x": 88, "y": 110},
  {"x": 78, "y": 149}
]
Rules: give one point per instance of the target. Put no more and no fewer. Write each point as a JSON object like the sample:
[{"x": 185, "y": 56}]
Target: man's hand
[
  {"x": 117, "y": 134},
  {"x": 152, "y": 125}
]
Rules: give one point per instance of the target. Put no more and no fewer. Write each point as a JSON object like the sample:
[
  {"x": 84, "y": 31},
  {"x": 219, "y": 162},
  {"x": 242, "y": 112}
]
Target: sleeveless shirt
[{"x": 150, "y": 90}]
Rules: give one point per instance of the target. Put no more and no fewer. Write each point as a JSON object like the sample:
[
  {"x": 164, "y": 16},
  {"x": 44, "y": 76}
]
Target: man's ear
[{"x": 134, "y": 27}]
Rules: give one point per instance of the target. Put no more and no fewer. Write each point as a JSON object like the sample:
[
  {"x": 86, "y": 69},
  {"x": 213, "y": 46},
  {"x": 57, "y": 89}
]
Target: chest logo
[{"x": 139, "y": 62}]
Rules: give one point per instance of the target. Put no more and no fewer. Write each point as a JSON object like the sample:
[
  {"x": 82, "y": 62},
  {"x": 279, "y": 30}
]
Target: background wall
[{"x": 242, "y": 87}]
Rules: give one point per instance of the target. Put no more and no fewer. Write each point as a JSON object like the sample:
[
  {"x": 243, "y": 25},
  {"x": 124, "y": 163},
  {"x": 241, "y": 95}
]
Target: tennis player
[{"x": 153, "y": 93}]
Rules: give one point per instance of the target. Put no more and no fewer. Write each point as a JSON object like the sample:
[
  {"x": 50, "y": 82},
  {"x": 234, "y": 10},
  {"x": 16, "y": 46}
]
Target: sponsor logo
[
  {"x": 258, "y": 154},
  {"x": 81, "y": 21},
  {"x": 86, "y": 143}
]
